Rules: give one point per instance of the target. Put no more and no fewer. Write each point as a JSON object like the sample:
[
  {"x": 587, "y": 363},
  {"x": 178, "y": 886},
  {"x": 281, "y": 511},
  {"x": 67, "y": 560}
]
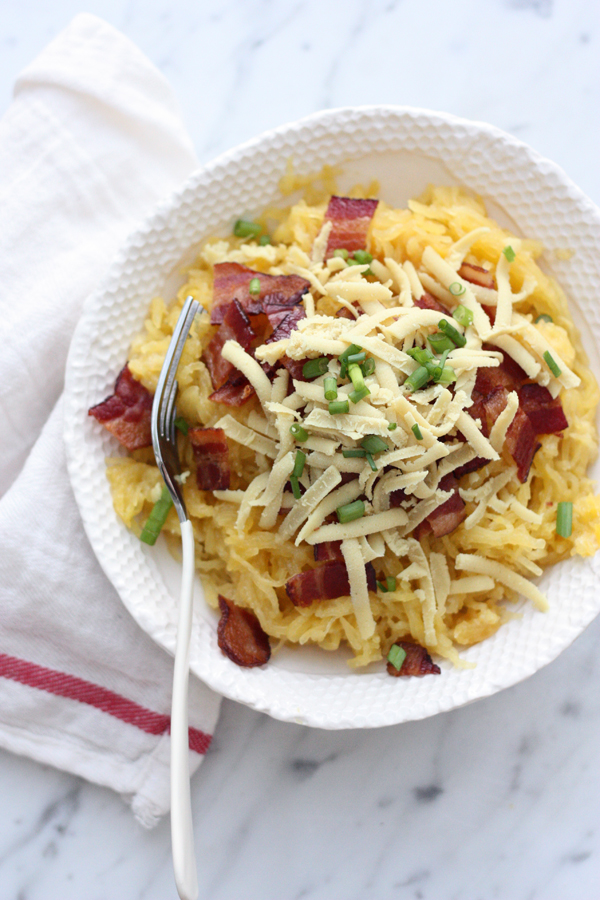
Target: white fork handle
[{"x": 182, "y": 829}]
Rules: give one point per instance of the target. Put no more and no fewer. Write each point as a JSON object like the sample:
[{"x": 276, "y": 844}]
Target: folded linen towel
[{"x": 91, "y": 141}]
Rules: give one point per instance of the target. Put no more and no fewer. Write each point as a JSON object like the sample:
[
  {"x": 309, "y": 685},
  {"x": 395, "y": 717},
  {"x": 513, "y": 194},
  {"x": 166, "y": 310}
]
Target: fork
[{"x": 164, "y": 443}]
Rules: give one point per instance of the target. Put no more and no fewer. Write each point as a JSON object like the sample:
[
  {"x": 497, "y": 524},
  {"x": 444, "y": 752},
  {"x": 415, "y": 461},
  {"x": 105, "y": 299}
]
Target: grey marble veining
[{"x": 499, "y": 799}]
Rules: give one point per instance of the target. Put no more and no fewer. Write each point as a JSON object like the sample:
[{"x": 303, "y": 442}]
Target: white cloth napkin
[{"x": 92, "y": 139}]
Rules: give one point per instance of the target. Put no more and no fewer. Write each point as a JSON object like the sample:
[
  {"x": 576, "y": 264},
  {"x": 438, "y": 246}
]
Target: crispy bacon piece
[
  {"x": 478, "y": 463},
  {"x": 429, "y": 302},
  {"x": 508, "y": 374},
  {"x": 126, "y": 413},
  {"x": 418, "y": 661},
  {"x": 344, "y": 313},
  {"x": 240, "y": 635},
  {"x": 324, "y": 583},
  {"x": 294, "y": 367},
  {"x": 236, "y": 391},
  {"x": 329, "y": 551},
  {"x": 477, "y": 275},
  {"x": 232, "y": 282},
  {"x": 350, "y": 219},
  {"x": 397, "y": 498},
  {"x": 236, "y": 326},
  {"x": 286, "y": 324},
  {"x": 544, "y": 412},
  {"x": 211, "y": 454},
  {"x": 448, "y": 515},
  {"x": 522, "y": 444}
]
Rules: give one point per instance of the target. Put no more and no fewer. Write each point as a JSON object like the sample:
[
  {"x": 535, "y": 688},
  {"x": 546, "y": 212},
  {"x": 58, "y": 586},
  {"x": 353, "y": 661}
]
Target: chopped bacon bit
[
  {"x": 351, "y": 219},
  {"x": 478, "y": 463},
  {"x": 426, "y": 301},
  {"x": 544, "y": 411},
  {"x": 329, "y": 551},
  {"x": 232, "y": 282},
  {"x": 508, "y": 374},
  {"x": 397, "y": 498},
  {"x": 418, "y": 661},
  {"x": 236, "y": 326},
  {"x": 127, "y": 412},
  {"x": 477, "y": 275},
  {"x": 236, "y": 391},
  {"x": 521, "y": 443},
  {"x": 294, "y": 367},
  {"x": 490, "y": 312},
  {"x": 448, "y": 515},
  {"x": 286, "y": 324},
  {"x": 240, "y": 635},
  {"x": 326, "y": 582},
  {"x": 211, "y": 454},
  {"x": 344, "y": 313}
]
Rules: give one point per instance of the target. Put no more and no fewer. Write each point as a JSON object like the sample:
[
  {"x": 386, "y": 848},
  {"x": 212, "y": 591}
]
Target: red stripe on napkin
[{"x": 63, "y": 685}]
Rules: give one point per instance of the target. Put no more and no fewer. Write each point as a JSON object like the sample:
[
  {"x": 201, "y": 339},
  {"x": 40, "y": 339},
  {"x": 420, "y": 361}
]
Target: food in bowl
[{"x": 388, "y": 418}]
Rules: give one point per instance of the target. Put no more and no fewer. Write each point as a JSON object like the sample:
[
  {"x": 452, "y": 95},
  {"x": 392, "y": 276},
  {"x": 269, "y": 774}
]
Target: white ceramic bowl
[{"x": 405, "y": 149}]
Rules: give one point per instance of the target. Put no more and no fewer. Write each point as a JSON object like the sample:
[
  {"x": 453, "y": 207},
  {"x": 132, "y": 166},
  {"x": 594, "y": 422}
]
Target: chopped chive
[
  {"x": 264, "y": 240},
  {"x": 440, "y": 342},
  {"x": 544, "y": 318},
  {"x": 417, "y": 432},
  {"x": 368, "y": 367},
  {"x": 315, "y": 367},
  {"x": 356, "y": 376},
  {"x": 350, "y": 511},
  {"x": 337, "y": 407},
  {"x": 391, "y": 583},
  {"x": 349, "y": 351},
  {"x": 343, "y": 254},
  {"x": 392, "y": 426},
  {"x": 354, "y": 454},
  {"x": 396, "y": 656},
  {"x": 463, "y": 315},
  {"x": 330, "y": 388},
  {"x": 456, "y": 289},
  {"x": 357, "y": 357},
  {"x": 418, "y": 379},
  {"x": 357, "y": 396},
  {"x": 382, "y": 587},
  {"x": 564, "y": 518},
  {"x": 509, "y": 253},
  {"x": 447, "y": 376},
  {"x": 422, "y": 355},
  {"x": 300, "y": 433},
  {"x": 244, "y": 228},
  {"x": 372, "y": 443},
  {"x": 451, "y": 332},
  {"x": 295, "y": 487},
  {"x": 299, "y": 464},
  {"x": 552, "y": 364},
  {"x": 181, "y": 424},
  {"x": 254, "y": 286},
  {"x": 371, "y": 462},
  {"x": 157, "y": 518},
  {"x": 362, "y": 257}
]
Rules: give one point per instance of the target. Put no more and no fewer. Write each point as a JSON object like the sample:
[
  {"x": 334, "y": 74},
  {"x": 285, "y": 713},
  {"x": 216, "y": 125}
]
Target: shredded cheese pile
[{"x": 449, "y": 592}]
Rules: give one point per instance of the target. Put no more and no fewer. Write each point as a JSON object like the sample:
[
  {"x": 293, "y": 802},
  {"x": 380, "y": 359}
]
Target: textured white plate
[{"x": 405, "y": 149}]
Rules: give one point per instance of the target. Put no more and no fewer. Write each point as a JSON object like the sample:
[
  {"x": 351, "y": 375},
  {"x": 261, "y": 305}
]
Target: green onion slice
[
  {"x": 299, "y": 464},
  {"x": 544, "y": 318},
  {"x": 421, "y": 355},
  {"x": 357, "y": 396},
  {"x": 352, "y": 454},
  {"x": 343, "y": 254},
  {"x": 463, "y": 315},
  {"x": 254, "y": 286},
  {"x": 447, "y": 376},
  {"x": 157, "y": 518},
  {"x": 418, "y": 379},
  {"x": 382, "y": 587},
  {"x": 350, "y": 511},
  {"x": 372, "y": 443},
  {"x": 439, "y": 342},
  {"x": 552, "y": 364},
  {"x": 417, "y": 432},
  {"x": 368, "y": 367},
  {"x": 392, "y": 426},
  {"x": 300, "y": 433},
  {"x": 356, "y": 376},
  {"x": 181, "y": 424},
  {"x": 509, "y": 253},
  {"x": 564, "y": 518},
  {"x": 391, "y": 583},
  {"x": 295, "y": 487},
  {"x": 371, "y": 462},
  {"x": 264, "y": 240},
  {"x": 451, "y": 332},
  {"x": 330, "y": 388},
  {"x": 244, "y": 228},
  {"x": 362, "y": 257},
  {"x": 396, "y": 656},
  {"x": 456, "y": 289},
  {"x": 357, "y": 357},
  {"x": 349, "y": 351},
  {"x": 436, "y": 372},
  {"x": 315, "y": 367},
  {"x": 337, "y": 407}
]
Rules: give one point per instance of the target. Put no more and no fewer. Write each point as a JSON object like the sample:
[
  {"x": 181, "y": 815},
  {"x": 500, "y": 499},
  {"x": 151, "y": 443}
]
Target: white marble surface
[{"x": 496, "y": 800}]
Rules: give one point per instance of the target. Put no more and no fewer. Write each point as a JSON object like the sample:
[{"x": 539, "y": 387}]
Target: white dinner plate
[{"x": 405, "y": 149}]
